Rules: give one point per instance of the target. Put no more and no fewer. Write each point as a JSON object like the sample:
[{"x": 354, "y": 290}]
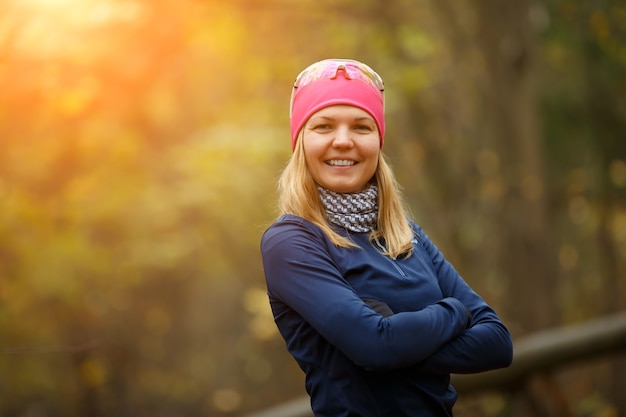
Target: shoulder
[
  {"x": 419, "y": 236},
  {"x": 290, "y": 229},
  {"x": 289, "y": 223},
  {"x": 292, "y": 241},
  {"x": 422, "y": 240}
]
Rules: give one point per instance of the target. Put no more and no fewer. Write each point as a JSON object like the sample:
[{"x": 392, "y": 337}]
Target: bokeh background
[{"x": 140, "y": 142}]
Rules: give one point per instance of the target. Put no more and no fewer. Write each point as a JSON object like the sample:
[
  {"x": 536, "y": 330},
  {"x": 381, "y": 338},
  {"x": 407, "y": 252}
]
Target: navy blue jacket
[{"x": 364, "y": 360}]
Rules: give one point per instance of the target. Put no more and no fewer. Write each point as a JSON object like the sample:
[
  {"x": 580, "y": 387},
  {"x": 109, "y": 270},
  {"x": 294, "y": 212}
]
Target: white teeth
[{"x": 340, "y": 162}]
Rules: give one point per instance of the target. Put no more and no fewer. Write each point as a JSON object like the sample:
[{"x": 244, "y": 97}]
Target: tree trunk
[{"x": 512, "y": 128}]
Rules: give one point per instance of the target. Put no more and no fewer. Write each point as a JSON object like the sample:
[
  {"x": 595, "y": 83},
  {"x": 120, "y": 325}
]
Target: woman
[{"x": 370, "y": 309}]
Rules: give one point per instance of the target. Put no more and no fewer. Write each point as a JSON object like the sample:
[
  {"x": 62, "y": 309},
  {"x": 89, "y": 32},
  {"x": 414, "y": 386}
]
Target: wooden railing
[{"x": 536, "y": 355}]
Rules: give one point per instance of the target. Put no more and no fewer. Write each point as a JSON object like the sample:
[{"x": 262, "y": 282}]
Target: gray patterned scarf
[{"x": 356, "y": 212}]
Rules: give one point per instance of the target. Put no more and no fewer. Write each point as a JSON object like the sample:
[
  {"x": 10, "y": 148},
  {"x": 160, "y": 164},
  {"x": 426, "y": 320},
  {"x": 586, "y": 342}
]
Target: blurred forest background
[{"x": 140, "y": 145}]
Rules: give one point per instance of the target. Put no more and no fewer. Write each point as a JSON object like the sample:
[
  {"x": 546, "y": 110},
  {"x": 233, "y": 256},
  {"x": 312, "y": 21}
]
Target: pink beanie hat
[{"x": 328, "y": 92}]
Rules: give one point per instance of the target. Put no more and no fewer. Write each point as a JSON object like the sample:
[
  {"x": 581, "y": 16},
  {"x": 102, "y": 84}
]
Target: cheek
[
  {"x": 371, "y": 162},
  {"x": 374, "y": 161},
  {"x": 312, "y": 148},
  {"x": 307, "y": 151},
  {"x": 311, "y": 156},
  {"x": 372, "y": 153}
]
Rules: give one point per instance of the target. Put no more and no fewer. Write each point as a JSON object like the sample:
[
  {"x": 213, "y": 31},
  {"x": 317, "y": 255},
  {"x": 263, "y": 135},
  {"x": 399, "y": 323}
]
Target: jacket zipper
[{"x": 390, "y": 259}]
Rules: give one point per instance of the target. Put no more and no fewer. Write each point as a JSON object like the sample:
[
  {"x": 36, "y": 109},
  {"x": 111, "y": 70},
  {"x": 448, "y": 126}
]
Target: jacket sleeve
[
  {"x": 486, "y": 344},
  {"x": 301, "y": 274}
]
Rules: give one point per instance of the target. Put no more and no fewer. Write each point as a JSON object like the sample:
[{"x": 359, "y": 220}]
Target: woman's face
[{"x": 341, "y": 147}]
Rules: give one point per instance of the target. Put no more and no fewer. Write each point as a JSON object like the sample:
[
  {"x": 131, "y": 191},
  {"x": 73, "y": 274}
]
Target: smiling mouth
[{"x": 340, "y": 162}]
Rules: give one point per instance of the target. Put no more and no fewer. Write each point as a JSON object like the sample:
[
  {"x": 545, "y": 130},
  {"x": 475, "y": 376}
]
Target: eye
[
  {"x": 321, "y": 127},
  {"x": 364, "y": 128}
]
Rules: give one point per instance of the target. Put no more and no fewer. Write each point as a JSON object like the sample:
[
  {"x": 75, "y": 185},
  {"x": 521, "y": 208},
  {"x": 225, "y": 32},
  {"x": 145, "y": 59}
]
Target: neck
[{"x": 356, "y": 212}]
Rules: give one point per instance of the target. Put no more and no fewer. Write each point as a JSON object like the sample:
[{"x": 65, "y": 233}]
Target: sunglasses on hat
[{"x": 329, "y": 69}]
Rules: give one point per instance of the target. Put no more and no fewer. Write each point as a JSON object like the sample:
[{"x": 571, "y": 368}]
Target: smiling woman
[
  {"x": 354, "y": 284},
  {"x": 341, "y": 147}
]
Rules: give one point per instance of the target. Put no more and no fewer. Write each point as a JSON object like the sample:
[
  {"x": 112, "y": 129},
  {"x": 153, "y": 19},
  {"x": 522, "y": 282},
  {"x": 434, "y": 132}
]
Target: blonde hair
[{"x": 298, "y": 195}]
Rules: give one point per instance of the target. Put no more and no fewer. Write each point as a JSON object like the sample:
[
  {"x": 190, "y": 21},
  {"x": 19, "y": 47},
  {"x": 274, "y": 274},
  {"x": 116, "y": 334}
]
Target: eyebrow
[{"x": 356, "y": 119}]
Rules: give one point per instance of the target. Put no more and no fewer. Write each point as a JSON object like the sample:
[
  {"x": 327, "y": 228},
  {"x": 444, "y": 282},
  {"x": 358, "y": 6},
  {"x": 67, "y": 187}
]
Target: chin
[{"x": 344, "y": 189}]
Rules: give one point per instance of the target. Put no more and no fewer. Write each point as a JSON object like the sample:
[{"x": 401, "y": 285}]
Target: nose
[{"x": 343, "y": 138}]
